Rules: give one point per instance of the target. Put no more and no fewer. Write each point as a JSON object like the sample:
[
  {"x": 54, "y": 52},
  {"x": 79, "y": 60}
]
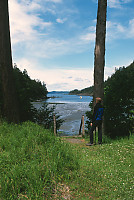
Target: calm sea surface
[
  {"x": 64, "y": 97},
  {"x": 70, "y": 108}
]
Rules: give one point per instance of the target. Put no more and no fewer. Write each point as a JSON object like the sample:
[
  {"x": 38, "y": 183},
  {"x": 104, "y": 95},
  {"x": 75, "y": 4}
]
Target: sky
[{"x": 54, "y": 40}]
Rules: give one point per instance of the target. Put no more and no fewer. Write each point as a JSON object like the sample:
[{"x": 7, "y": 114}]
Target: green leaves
[
  {"x": 119, "y": 102},
  {"x": 28, "y": 90}
]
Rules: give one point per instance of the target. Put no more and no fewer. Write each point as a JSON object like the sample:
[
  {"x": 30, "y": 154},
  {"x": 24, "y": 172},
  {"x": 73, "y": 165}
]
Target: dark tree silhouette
[{"x": 10, "y": 108}]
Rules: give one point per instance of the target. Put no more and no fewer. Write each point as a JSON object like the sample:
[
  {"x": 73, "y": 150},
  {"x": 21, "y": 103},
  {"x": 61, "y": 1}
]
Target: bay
[
  {"x": 70, "y": 108},
  {"x": 64, "y": 97}
]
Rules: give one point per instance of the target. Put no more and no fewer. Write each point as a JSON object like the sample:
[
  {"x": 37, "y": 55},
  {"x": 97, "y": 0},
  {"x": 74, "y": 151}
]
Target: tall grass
[{"x": 32, "y": 162}]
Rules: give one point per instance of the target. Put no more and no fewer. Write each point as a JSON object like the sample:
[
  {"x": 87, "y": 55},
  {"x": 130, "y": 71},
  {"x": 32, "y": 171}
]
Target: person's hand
[{"x": 91, "y": 124}]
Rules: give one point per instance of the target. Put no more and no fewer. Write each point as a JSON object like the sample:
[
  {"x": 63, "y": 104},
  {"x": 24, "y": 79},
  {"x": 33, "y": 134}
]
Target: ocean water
[
  {"x": 64, "y": 97},
  {"x": 70, "y": 108}
]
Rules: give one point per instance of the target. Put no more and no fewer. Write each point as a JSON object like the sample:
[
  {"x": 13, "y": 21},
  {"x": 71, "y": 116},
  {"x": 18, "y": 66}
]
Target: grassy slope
[
  {"x": 32, "y": 162},
  {"x": 36, "y": 165},
  {"x": 106, "y": 172}
]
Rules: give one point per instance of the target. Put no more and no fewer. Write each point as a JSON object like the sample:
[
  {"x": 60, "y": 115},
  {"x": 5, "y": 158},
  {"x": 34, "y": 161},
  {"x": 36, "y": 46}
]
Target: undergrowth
[
  {"x": 36, "y": 165},
  {"x": 32, "y": 162}
]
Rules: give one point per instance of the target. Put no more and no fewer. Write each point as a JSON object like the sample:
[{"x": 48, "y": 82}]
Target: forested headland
[
  {"x": 85, "y": 92},
  {"x": 27, "y": 92}
]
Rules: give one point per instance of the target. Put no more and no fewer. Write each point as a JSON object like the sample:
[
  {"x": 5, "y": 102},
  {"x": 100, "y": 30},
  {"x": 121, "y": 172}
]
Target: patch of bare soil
[
  {"x": 75, "y": 140},
  {"x": 62, "y": 191}
]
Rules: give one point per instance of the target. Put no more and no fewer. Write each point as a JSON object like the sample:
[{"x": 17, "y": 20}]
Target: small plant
[{"x": 44, "y": 117}]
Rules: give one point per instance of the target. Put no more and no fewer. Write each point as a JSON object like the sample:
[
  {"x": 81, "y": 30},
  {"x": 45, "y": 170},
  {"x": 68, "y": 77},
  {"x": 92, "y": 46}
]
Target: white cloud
[
  {"x": 117, "y": 3},
  {"x": 54, "y": 1},
  {"x": 114, "y": 3},
  {"x": 61, "y": 21},
  {"x": 36, "y": 36},
  {"x": 64, "y": 79},
  {"x": 25, "y": 30},
  {"x": 88, "y": 37},
  {"x": 39, "y": 39},
  {"x": 130, "y": 32},
  {"x": 116, "y": 30},
  {"x": 109, "y": 71}
]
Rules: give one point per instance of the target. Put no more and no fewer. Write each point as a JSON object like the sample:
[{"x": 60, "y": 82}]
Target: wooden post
[
  {"x": 83, "y": 130},
  {"x": 80, "y": 127},
  {"x": 54, "y": 125},
  {"x": 95, "y": 135}
]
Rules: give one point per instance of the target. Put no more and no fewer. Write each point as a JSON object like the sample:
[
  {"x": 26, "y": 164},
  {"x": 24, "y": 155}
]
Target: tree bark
[
  {"x": 10, "y": 108},
  {"x": 99, "y": 54}
]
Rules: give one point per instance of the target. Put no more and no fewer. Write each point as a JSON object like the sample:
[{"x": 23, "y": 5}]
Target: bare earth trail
[{"x": 75, "y": 139}]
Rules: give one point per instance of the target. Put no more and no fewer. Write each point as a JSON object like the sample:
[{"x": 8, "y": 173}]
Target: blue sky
[{"x": 54, "y": 40}]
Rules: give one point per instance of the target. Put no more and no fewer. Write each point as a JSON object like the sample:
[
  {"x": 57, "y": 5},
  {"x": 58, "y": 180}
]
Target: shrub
[
  {"x": 44, "y": 117},
  {"x": 119, "y": 103}
]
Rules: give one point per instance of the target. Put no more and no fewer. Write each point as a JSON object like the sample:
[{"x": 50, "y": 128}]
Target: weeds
[
  {"x": 107, "y": 171},
  {"x": 36, "y": 165},
  {"x": 32, "y": 161}
]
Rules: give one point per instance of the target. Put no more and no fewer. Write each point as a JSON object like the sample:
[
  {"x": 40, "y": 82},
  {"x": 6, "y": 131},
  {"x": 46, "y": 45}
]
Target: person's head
[{"x": 98, "y": 100}]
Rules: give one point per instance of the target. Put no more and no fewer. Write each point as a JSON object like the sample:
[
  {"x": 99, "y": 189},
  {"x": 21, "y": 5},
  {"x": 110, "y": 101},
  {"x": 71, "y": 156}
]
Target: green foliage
[
  {"x": 44, "y": 117},
  {"x": 85, "y": 91},
  {"x": 74, "y": 92},
  {"x": 28, "y": 90},
  {"x": 32, "y": 161},
  {"x": 119, "y": 103}
]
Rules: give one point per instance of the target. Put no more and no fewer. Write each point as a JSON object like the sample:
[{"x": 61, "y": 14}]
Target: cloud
[
  {"x": 65, "y": 79},
  {"x": 88, "y": 37},
  {"x": 115, "y": 3},
  {"x": 35, "y": 38},
  {"x": 116, "y": 30},
  {"x": 61, "y": 21},
  {"x": 31, "y": 24},
  {"x": 38, "y": 37},
  {"x": 118, "y": 3},
  {"x": 108, "y": 72},
  {"x": 55, "y": 1},
  {"x": 130, "y": 32}
]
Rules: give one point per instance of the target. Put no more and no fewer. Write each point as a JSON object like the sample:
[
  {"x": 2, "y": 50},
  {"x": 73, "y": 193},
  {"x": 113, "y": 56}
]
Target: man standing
[{"x": 97, "y": 121}]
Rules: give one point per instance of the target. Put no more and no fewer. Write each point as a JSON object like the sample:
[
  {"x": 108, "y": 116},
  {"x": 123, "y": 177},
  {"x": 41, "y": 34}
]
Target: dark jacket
[{"x": 98, "y": 112}]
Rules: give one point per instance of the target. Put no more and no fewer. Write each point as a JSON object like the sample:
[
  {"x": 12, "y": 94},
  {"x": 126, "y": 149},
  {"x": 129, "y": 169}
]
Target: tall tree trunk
[
  {"x": 10, "y": 104},
  {"x": 99, "y": 59}
]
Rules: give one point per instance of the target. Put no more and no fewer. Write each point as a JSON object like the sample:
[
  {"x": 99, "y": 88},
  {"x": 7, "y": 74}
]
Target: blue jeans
[{"x": 95, "y": 124}]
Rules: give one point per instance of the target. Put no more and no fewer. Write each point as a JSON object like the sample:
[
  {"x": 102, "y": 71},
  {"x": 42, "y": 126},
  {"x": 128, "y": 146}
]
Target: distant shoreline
[
  {"x": 83, "y": 94},
  {"x": 38, "y": 102}
]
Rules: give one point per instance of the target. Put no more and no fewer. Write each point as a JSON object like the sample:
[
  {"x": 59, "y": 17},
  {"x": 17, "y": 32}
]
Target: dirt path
[{"x": 75, "y": 139}]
